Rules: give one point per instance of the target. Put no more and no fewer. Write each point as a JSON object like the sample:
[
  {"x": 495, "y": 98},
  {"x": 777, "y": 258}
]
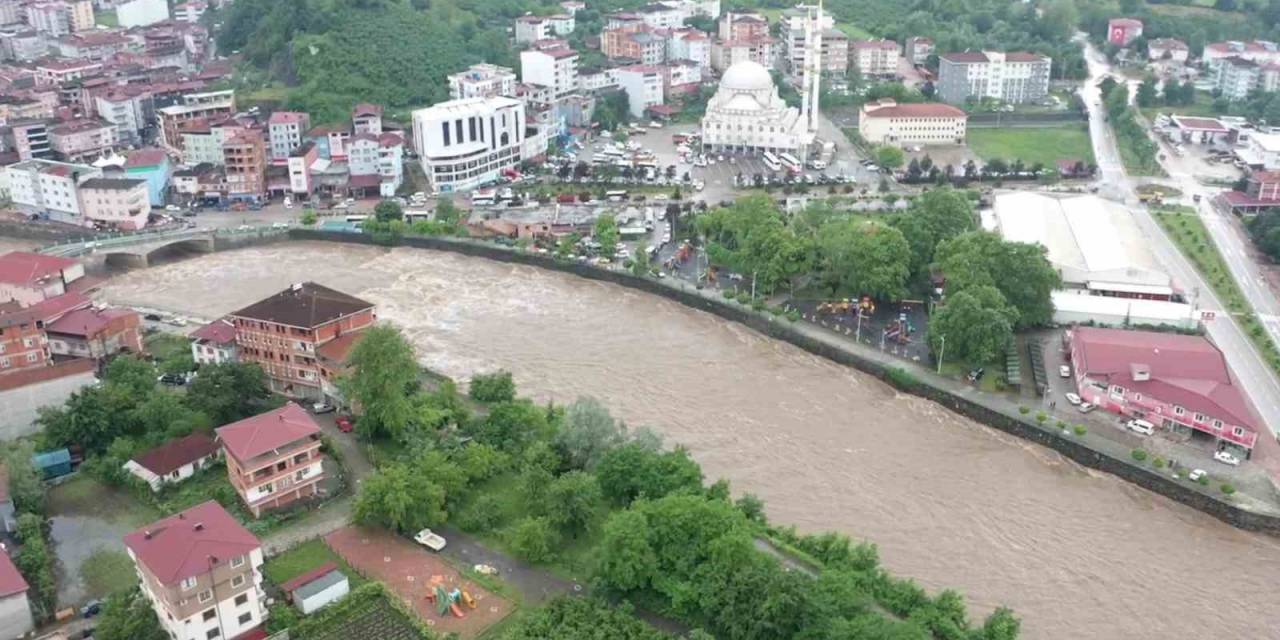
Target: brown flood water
[{"x": 951, "y": 503}]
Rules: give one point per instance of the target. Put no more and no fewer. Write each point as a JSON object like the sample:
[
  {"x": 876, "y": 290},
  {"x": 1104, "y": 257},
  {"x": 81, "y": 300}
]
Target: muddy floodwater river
[{"x": 950, "y": 502}]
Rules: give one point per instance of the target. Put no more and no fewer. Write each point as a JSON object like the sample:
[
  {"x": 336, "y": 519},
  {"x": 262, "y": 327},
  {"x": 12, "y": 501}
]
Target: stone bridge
[{"x": 136, "y": 250}]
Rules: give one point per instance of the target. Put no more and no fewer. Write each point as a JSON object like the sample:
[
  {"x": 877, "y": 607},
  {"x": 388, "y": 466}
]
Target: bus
[
  {"x": 616, "y": 196},
  {"x": 357, "y": 219},
  {"x": 771, "y": 161},
  {"x": 789, "y": 161},
  {"x": 482, "y": 199}
]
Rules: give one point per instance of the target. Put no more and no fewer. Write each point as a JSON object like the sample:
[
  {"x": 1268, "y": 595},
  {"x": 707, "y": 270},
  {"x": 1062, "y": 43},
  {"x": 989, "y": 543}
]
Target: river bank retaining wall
[{"x": 858, "y": 357}]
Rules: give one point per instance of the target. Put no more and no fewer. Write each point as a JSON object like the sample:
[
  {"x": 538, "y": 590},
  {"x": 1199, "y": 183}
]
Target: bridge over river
[{"x": 136, "y": 250}]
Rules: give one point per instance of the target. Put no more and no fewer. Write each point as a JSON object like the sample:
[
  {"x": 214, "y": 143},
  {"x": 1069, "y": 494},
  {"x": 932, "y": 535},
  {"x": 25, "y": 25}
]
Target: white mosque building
[{"x": 747, "y": 114}]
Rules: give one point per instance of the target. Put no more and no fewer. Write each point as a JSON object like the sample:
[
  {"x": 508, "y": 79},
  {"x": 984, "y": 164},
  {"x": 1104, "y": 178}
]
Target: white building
[
  {"x": 482, "y": 80},
  {"x": 467, "y": 143},
  {"x": 1014, "y": 77},
  {"x": 530, "y": 29},
  {"x": 214, "y": 343},
  {"x": 561, "y": 24},
  {"x": 189, "y": 11},
  {"x": 284, "y": 133},
  {"x": 747, "y": 114},
  {"x": 1260, "y": 51},
  {"x": 1261, "y": 151},
  {"x": 692, "y": 45},
  {"x": 556, "y": 68},
  {"x": 49, "y": 189},
  {"x": 887, "y": 122},
  {"x": 140, "y": 13},
  {"x": 115, "y": 203},
  {"x": 173, "y": 461},
  {"x": 794, "y": 23},
  {"x": 381, "y": 155},
  {"x": 643, "y": 85},
  {"x": 202, "y": 572},
  {"x": 598, "y": 80},
  {"x": 1167, "y": 49},
  {"x": 126, "y": 110},
  {"x": 874, "y": 58}
]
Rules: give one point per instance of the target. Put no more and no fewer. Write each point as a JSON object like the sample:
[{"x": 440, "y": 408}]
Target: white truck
[{"x": 430, "y": 540}]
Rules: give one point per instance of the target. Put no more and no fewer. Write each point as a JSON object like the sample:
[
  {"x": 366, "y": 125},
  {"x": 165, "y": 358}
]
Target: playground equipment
[
  {"x": 447, "y": 601},
  {"x": 837, "y": 307},
  {"x": 468, "y": 600}
]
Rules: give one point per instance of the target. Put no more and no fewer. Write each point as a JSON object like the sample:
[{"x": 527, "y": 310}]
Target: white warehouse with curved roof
[{"x": 747, "y": 114}]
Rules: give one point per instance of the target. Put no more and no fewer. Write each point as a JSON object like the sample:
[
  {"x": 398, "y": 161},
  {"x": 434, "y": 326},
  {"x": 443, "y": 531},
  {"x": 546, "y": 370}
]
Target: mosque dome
[{"x": 746, "y": 76}]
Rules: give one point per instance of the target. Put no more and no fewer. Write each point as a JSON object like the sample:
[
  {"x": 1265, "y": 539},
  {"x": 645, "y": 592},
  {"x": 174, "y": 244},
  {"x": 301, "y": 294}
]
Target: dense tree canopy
[
  {"x": 865, "y": 257},
  {"x": 383, "y": 377},
  {"x": 1020, "y": 271},
  {"x": 975, "y": 325}
]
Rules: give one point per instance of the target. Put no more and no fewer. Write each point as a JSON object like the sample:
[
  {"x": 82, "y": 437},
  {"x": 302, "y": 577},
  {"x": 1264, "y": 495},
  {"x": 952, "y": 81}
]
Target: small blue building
[
  {"x": 53, "y": 463},
  {"x": 153, "y": 166}
]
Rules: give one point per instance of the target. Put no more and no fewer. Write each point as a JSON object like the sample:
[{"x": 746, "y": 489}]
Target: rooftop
[
  {"x": 1210, "y": 125},
  {"x": 112, "y": 184},
  {"x": 190, "y": 543},
  {"x": 220, "y": 331},
  {"x": 911, "y": 110},
  {"x": 175, "y": 454},
  {"x": 85, "y": 323},
  {"x": 309, "y": 577},
  {"x": 874, "y": 44},
  {"x": 287, "y": 117},
  {"x": 23, "y": 267},
  {"x": 149, "y": 157},
  {"x": 267, "y": 432},
  {"x": 307, "y": 305},
  {"x": 11, "y": 581}
]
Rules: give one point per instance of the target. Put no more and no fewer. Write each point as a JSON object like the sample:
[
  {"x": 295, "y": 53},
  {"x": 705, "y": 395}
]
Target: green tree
[
  {"x": 974, "y": 326},
  {"x": 572, "y": 500},
  {"x": 130, "y": 373},
  {"x": 26, "y": 489},
  {"x": 569, "y": 618},
  {"x": 127, "y": 615},
  {"x": 35, "y": 563},
  {"x": 627, "y": 559},
  {"x": 309, "y": 217},
  {"x": 400, "y": 498},
  {"x": 493, "y": 387},
  {"x": 863, "y": 257},
  {"x": 228, "y": 392},
  {"x": 533, "y": 539},
  {"x": 586, "y": 433},
  {"x": 383, "y": 377},
  {"x": 1147, "y": 96},
  {"x": 388, "y": 210},
  {"x": 511, "y": 426},
  {"x": 890, "y": 157},
  {"x": 606, "y": 233},
  {"x": 1001, "y": 625},
  {"x": 1020, "y": 271},
  {"x": 640, "y": 262},
  {"x": 633, "y": 470}
]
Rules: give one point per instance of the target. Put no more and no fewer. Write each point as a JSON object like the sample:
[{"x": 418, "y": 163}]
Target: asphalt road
[{"x": 1254, "y": 375}]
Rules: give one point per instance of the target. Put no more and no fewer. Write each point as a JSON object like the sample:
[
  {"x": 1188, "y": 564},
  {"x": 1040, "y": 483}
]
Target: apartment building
[
  {"x": 794, "y": 23},
  {"x": 482, "y": 80},
  {"x": 244, "y": 158},
  {"x": 366, "y": 118},
  {"x": 638, "y": 43},
  {"x": 83, "y": 139},
  {"x": 49, "y": 189},
  {"x": 192, "y": 107},
  {"x": 835, "y": 52},
  {"x": 463, "y": 144},
  {"x": 1013, "y": 77},
  {"x": 874, "y": 58},
  {"x": 918, "y": 50},
  {"x": 1235, "y": 78},
  {"x": 60, "y": 17},
  {"x": 95, "y": 333},
  {"x": 273, "y": 458},
  {"x": 202, "y": 141},
  {"x": 115, "y": 203},
  {"x": 690, "y": 45},
  {"x": 379, "y": 159},
  {"x": 1260, "y": 51},
  {"x": 736, "y": 25},
  {"x": 530, "y": 29},
  {"x": 643, "y": 85},
  {"x": 887, "y": 122},
  {"x": 214, "y": 343},
  {"x": 285, "y": 130},
  {"x": 299, "y": 164},
  {"x": 202, "y": 572},
  {"x": 190, "y": 11},
  {"x": 555, "y": 68},
  {"x": 23, "y": 343},
  {"x": 52, "y": 72},
  {"x": 761, "y": 50},
  {"x": 128, "y": 108},
  {"x": 1167, "y": 49},
  {"x": 152, "y": 166},
  {"x": 28, "y": 138},
  {"x": 281, "y": 333},
  {"x": 23, "y": 46}
]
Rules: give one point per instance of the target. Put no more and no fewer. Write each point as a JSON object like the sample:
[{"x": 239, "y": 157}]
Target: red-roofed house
[
  {"x": 173, "y": 461},
  {"x": 214, "y": 343},
  {"x": 887, "y": 122},
  {"x": 366, "y": 118},
  {"x": 1122, "y": 31},
  {"x": 1176, "y": 382},
  {"x": 201, "y": 570},
  {"x": 32, "y": 277},
  {"x": 15, "y": 611},
  {"x": 95, "y": 333},
  {"x": 273, "y": 458},
  {"x": 1262, "y": 193}
]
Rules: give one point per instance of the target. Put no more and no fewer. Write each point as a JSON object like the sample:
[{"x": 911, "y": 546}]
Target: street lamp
[{"x": 942, "y": 349}]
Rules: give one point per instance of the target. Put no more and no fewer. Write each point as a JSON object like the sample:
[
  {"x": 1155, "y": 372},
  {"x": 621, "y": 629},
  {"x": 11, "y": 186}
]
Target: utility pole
[
  {"x": 753, "y": 284},
  {"x": 857, "y": 335},
  {"x": 942, "y": 349}
]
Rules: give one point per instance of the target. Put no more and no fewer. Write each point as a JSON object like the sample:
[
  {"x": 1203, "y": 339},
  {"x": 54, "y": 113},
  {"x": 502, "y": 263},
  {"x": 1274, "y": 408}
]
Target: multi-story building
[
  {"x": 244, "y": 157},
  {"x": 918, "y": 50},
  {"x": 366, "y": 118},
  {"x": 214, "y": 343},
  {"x": 887, "y": 122},
  {"x": 60, "y": 17},
  {"x": 638, "y": 43},
  {"x": 874, "y": 58},
  {"x": 1235, "y": 78},
  {"x": 482, "y": 80},
  {"x": 597, "y": 80},
  {"x": 530, "y": 29},
  {"x": 12, "y": 12},
  {"x": 95, "y": 333},
  {"x": 659, "y": 15},
  {"x": 141, "y": 13},
  {"x": 379, "y": 156},
  {"x": 190, "y": 11},
  {"x": 643, "y": 84},
  {"x": 56, "y": 71},
  {"x": 129, "y": 108},
  {"x": 97, "y": 45},
  {"x": 1014, "y": 77},
  {"x": 83, "y": 139},
  {"x": 681, "y": 78},
  {"x": 1180, "y": 383},
  {"x": 794, "y": 23},
  {"x": 281, "y": 333},
  {"x": 273, "y": 458},
  {"x": 115, "y": 203},
  {"x": 299, "y": 163},
  {"x": 1168, "y": 49},
  {"x": 690, "y": 45},
  {"x": 202, "y": 140},
  {"x": 1260, "y": 51},
  {"x": 28, "y": 138},
  {"x": 835, "y": 52},
  {"x": 193, "y": 107},
  {"x": 1122, "y": 31},
  {"x": 24, "y": 46},
  {"x": 23, "y": 342},
  {"x": 554, "y": 68},
  {"x": 463, "y": 144},
  {"x": 761, "y": 50},
  {"x": 29, "y": 278},
  {"x": 152, "y": 166},
  {"x": 15, "y": 609},
  {"x": 736, "y": 25},
  {"x": 202, "y": 572},
  {"x": 49, "y": 189},
  {"x": 285, "y": 130}
]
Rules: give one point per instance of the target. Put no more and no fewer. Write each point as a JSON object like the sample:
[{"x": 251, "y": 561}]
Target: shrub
[
  {"x": 727, "y": 293},
  {"x": 793, "y": 315},
  {"x": 744, "y": 298},
  {"x": 757, "y": 305},
  {"x": 483, "y": 515},
  {"x": 901, "y": 378},
  {"x": 1157, "y": 462},
  {"x": 1081, "y": 430},
  {"x": 1139, "y": 455},
  {"x": 532, "y": 539},
  {"x": 1041, "y": 417},
  {"x": 1062, "y": 424},
  {"x": 1228, "y": 488},
  {"x": 777, "y": 311},
  {"x": 493, "y": 387},
  {"x": 1204, "y": 481},
  {"x": 1024, "y": 410}
]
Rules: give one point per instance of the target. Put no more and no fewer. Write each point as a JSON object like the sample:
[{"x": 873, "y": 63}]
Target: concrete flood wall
[{"x": 836, "y": 349}]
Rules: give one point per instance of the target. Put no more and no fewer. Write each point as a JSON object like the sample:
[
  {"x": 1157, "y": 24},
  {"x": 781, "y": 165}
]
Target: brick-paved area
[{"x": 407, "y": 569}]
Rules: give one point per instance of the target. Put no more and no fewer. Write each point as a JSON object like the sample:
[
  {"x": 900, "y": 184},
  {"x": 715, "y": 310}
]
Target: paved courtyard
[{"x": 408, "y": 570}]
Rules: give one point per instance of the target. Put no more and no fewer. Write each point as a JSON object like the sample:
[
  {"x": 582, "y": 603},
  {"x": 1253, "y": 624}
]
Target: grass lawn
[
  {"x": 1046, "y": 145},
  {"x": 1201, "y": 106},
  {"x": 106, "y": 18},
  {"x": 269, "y": 93},
  {"x": 106, "y": 572},
  {"x": 1188, "y": 232},
  {"x": 85, "y": 495},
  {"x": 303, "y": 558}
]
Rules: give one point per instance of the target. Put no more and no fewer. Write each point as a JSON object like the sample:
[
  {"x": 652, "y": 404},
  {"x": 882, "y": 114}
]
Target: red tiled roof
[
  {"x": 254, "y": 436},
  {"x": 309, "y": 577},
  {"x": 86, "y": 322},
  {"x": 175, "y": 454},
  {"x": 1125, "y": 22},
  {"x": 11, "y": 581},
  {"x": 390, "y": 139},
  {"x": 306, "y": 305},
  {"x": 286, "y": 117},
  {"x": 1211, "y": 125},
  {"x": 24, "y": 377},
  {"x": 366, "y": 109},
  {"x": 1023, "y": 56},
  {"x": 145, "y": 158},
  {"x": 1187, "y": 371},
  {"x": 914, "y": 110},
  {"x": 965, "y": 56},
  {"x": 558, "y": 52},
  {"x": 220, "y": 331},
  {"x": 1265, "y": 176},
  {"x": 23, "y": 267},
  {"x": 190, "y": 543},
  {"x": 53, "y": 308},
  {"x": 876, "y": 44}
]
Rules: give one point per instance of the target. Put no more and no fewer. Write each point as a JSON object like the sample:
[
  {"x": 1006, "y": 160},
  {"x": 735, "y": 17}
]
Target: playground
[
  {"x": 897, "y": 328},
  {"x": 445, "y": 599}
]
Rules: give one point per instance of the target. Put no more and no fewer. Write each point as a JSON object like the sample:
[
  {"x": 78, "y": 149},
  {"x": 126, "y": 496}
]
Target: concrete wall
[
  {"x": 15, "y": 617},
  {"x": 845, "y": 352},
  {"x": 22, "y": 404}
]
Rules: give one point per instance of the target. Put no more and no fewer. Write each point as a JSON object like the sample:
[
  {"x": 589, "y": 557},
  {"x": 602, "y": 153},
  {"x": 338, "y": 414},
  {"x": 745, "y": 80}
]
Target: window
[
  {"x": 1177, "y": 411},
  {"x": 266, "y": 488},
  {"x": 209, "y": 614},
  {"x": 245, "y": 618},
  {"x": 1217, "y": 424},
  {"x": 241, "y": 599},
  {"x": 213, "y": 633},
  {"x": 1137, "y": 397},
  {"x": 1200, "y": 417},
  {"x": 237, "y": 580},
  {"x": 205, "y": 596},
  {"x": 1238, "y": 431},
  {"x": 237, "y": 561},
  {"x": 188, "y": 584}
]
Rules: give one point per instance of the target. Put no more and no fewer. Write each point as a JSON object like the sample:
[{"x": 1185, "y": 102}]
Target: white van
[{"x": 1141, "y": 426}]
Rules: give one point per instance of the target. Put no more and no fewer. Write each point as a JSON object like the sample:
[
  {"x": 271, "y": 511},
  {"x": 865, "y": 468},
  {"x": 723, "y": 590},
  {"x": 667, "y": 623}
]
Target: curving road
[{"x": 1253, "y": 373}]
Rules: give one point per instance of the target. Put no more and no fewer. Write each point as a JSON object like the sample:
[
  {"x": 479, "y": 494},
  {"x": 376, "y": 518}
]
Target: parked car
[
  {"x": 91, "y": 609},
  {"x": 172, "y": 379},
  {"x": 344, "y": 424},
  {"x": 1086, "y": 407},
  {"x": 1196, "y": 474},
  {"x": 322, "y": 407},
  {"x": 1141, "y": 426},
  {"x": 1073, "y": 398},
  {"x": 153, "y": 317},
  {"x": 1064, "y": 371},
  {"x": 432, "y": 541},
  {"x": 485, "y": 569},
  {"x": 1226, "y": 457},
  {"x": 172, "y": 207}
]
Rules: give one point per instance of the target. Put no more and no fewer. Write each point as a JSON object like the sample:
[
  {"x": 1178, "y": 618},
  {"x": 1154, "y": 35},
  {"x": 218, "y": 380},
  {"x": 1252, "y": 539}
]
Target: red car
[{"x": 344, "y": 424}]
